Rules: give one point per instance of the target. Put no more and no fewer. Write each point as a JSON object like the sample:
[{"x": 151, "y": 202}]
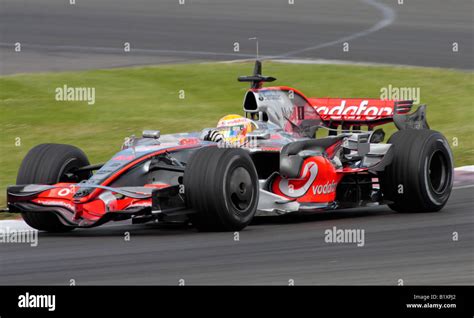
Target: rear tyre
[
  {"x": 222, "y": 186},
  {"x": 420, "y": 177},
  {"x": 50, "y": 164}
]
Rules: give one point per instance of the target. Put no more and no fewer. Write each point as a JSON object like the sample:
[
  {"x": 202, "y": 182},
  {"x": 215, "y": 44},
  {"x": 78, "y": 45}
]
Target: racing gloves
[{"x": 213, "y": 135}]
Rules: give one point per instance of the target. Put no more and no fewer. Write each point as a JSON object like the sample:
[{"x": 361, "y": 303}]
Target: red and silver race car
[{"x": 268, "y": 162}]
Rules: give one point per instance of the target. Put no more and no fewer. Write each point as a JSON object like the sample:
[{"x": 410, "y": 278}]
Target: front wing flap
[{"x": 113, "y": 204}]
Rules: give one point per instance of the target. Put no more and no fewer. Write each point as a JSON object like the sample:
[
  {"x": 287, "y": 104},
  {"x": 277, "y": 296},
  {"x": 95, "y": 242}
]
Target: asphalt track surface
[
  {"x": 417, "y": 248},
  {"x": 90, "y": 34}
]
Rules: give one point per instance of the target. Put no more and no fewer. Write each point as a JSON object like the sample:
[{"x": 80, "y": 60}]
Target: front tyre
[
  {"x": 50, "y": 164},
  {"x": 222, "y": 186},
  {"x": 420, "y": 177}
]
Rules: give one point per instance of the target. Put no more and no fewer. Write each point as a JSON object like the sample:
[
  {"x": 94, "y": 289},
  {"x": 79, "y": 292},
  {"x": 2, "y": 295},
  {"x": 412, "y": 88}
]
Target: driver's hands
[{"x": 213, "y": 135}]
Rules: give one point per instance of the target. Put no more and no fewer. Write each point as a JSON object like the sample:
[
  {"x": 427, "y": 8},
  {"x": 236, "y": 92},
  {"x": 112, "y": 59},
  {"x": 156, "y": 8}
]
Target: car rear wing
[{"x": 356, "y": 112}]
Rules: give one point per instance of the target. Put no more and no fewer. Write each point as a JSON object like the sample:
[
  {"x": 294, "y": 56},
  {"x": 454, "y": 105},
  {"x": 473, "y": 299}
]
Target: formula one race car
[{"x": 266, "y": 163}]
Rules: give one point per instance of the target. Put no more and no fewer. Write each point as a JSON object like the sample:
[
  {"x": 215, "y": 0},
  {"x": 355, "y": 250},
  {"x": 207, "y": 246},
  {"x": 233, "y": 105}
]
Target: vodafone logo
[
  {"x": 359, "y": 112},
  {"x": 64, "y": 192},
  {"x": 288, "y": 189},
  {"x": 327, "y": 188}
]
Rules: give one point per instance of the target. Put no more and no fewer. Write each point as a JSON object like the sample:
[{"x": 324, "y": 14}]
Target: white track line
[
  {"x": 115, "y": 50},
  {"x": 465, "y": 168},
  {"x": 14, "y": 225},
  {"x": 387, "y": 12},
  {"x": 464, "y": 187},
  {"x": 389, "y": 17}
]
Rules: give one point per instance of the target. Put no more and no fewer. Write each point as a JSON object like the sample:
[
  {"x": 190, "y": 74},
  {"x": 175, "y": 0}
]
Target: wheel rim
[
  {"x": 240, "y": 189},
  {"x": 438, "y": 172}
]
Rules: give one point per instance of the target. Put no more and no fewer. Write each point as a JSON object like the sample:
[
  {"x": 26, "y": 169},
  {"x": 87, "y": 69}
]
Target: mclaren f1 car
[{"x": 270, "y": 161}]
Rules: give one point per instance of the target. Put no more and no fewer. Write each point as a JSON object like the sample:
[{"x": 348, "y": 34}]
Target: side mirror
[
  {"x": 377, "y": 136},
  {"x": 155, "y": 134}
]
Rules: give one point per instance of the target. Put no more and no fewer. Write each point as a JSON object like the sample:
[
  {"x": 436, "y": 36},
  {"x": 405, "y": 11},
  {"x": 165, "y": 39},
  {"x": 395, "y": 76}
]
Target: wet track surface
[{"x": 418, "y": 248}]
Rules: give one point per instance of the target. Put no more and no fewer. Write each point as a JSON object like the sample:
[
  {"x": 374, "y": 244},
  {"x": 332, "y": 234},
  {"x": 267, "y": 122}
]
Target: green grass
[
  {"x": 132, "y": 99},
  {"x": 9, "y": 216}
]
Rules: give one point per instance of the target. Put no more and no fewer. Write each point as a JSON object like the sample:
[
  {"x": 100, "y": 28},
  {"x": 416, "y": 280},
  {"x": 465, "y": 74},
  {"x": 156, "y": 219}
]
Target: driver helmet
[{"x": 234, "y": 128}]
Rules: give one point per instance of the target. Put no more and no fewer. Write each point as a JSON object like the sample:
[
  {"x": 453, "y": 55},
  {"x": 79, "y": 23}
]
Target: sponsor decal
[
  {"x": 150, "y": 148},
  {"x": 327, "y": 188},
  {"x": 124, "y": 158},
  {"x": 354, "y": 112},
  {"x": 64, "y": 192},
  {"x": 270, "y": 95},
  {"x": 310, "y": 172},
  {"x": 288, "y": 189},
  {"x": 275, "y": 149},
  {"x": 232, "y": 122},
  {"x": 55, "y": 203},
  {"x": 147, "y": 148},
  {"x": 189, "y": 141}
]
